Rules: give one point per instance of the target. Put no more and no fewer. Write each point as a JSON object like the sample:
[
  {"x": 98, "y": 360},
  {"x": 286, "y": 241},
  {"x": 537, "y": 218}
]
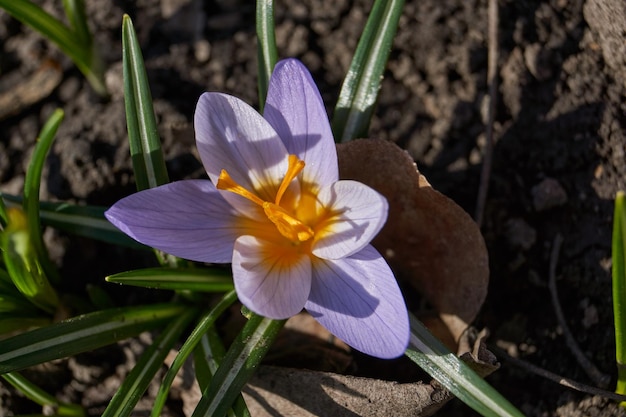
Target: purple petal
[
  {"x": 188, "y": 219},
  {"x": 296, "y": 111},
  {"x": 358, "y": 300},
  {"x": 271, "y": 280},
  {"x": 231, "y": 135},
  {"x": 359, "y": 213}
]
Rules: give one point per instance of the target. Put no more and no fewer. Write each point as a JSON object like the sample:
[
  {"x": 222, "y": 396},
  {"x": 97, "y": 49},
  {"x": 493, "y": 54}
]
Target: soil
[{"x": 558, "y": 158}]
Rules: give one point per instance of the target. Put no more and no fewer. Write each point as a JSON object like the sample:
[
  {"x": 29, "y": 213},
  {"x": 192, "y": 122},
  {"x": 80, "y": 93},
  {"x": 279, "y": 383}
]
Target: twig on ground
[
  {"x": 599, "y": 378},
  {"x": 566, "y": 382},
  {"x": 492, "y": 81}
]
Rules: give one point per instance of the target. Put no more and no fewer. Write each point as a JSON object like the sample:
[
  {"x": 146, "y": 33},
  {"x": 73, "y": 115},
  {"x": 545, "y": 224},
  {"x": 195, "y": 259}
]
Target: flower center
[{"x": 287, "y": 225}]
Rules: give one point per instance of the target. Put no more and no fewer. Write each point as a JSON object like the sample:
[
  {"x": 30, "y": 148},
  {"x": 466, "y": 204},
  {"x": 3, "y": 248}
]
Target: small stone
[
  {"x": 538, "y": 60},
  {"x": 591, "y": 316},
  {"x": 202, "y": 50},
  {"x": 548, "y": 194},
  {"x": 520, "y": 234}
]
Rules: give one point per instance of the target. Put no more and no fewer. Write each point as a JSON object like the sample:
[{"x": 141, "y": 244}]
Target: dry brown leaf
[
  {"x": 16, "y": 94},
  {"x": 278, "y": 391},
  {"x": 428, "y": 240}
]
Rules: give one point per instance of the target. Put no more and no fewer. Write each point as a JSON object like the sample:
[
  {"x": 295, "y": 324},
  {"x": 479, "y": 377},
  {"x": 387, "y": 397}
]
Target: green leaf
[
  {"x": 75, "y": 13},
  {"x": 207, "y": 357},
  {"x": 77, "y": 17},
  {"x": 138, "y": 380},
  {"x": 86, "y": 221},
  {"x": 619, "y": 288},
  {"x": 23, "y": 265},
  {"x": 191, "y": 279},
  {"x": 11, "y": 322},
  {"x": 204, "y": 357},
  {"x": 32, "y": 185},
  {"x": 7, "y": 287},
  {"x": 451, "y": 372},
  {"x": 36, "y": 394},
  {"x": 206, "y": 322},
  {"x": 82, "y": 333},
  {"x": 83, "y": 54},
  {"x": 99, "y": 298},
  {"x": 12, "y": 303},
  {"x": 266, "y": 46},
  {"x": 4, "y": 217},
  {"x": 359, "y": 91},
  {"x": 238, "y": 365},
  {"x": 145, "y": 145}
]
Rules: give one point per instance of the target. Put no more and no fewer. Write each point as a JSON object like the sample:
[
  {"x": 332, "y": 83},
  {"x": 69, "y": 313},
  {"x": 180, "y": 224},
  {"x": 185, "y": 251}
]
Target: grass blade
[
  {"x": 451, "y": 372},
  {"x": 240, "y": 362},
  {"x": 138, "y": 380},
  {"x": 77, "y": 17},
  {"x": 206, "y": 321},
  {"x": 86, "y": 221},
  {"x": 191, "y": 279},
  {"x": 4, "y": 217},
  {"x": 207, "y": 357},
  {"x": 266, "y": 46},
  {"x": 12, "y": 322},
  {"x": 65, "y": 38},
  {"x": 75, "y": 13},
  {"x": 145, "y": 145},
  {"x": 41, "y": 397},
  {"x": 32, "y": 185},
  {"x": 23, "y": 263},
  {"x": 81, "y": 334},
  {"x": 359, "y": 91},
  {"x": 619, "y": 289}
]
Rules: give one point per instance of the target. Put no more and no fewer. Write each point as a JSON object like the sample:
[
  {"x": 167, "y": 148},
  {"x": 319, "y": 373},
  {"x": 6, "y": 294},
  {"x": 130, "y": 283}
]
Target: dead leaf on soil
[
  {"x": 282, "y": 391},
  {"x": 304, "y": 393},
  {"x": 428, "y": 240},
  {"x": 18, "y": 94}
]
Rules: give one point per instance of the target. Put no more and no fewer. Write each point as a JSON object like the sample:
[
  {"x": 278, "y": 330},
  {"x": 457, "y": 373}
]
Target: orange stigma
[{"x": 287, "y": 225}]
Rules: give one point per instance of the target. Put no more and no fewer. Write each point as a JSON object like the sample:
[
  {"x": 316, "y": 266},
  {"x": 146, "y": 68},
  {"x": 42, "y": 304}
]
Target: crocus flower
[{"x": 296, "y": 235}]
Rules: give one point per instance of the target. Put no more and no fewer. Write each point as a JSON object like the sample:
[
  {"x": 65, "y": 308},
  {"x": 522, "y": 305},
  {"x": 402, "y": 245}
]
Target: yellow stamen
[
  {"x": 225, "y": 182},
  {"x": 295, "y": 167},
  {"x": 288, "y": 226}
]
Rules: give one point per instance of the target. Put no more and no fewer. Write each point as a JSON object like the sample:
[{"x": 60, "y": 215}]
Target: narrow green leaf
[
  {"x": 66, "y": 39},
  {"x": 32, "y": 185},
  {"x": 41, "y": 397},
  {"x": 11, "y": 322},
  {"x": 238, "y": 365},
  {"x": 77, "y": 17},
  {"x": 34, "y": 16},
  {"x": 619, "y": 288},
  {"x": 99, "y": 298},
  {"x": 207, "y": 357},
  {"x": 359, "y": 91},
  {"x": 15, "y": 304},
  {"x": 145, "y": 145},
  {"x": 451, "y": 372},
  {"x": 206, "y": 322},
  {"x": 191, "y": 279},
  {"x": 23, "y": 265},
  {"x": 81, "y": 334},
  {"x": 4, "y": 218},
  {"x": 138, "y": 380},
  {"x": 266, "y": 46},
  {"x": 75, "y": 13},
  {"x": 7, "y": 287},
  {"x": 86, "y": 221},
  {"x": 205, "y": 363}
]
